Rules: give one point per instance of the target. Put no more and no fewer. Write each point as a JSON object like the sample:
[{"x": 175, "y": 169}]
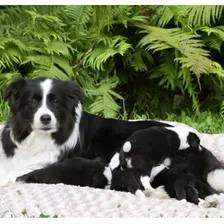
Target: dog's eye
[
  {"x": 55, "y": 101},
  {"x": 32, "y": 101}
]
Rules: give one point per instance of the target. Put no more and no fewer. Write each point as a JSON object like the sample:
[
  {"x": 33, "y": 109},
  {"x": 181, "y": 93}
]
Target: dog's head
[{"x": 44, "y": 104}]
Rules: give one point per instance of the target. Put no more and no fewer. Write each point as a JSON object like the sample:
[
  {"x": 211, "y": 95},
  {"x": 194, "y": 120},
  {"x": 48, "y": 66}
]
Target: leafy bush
[{"x": 130, "y": 60}]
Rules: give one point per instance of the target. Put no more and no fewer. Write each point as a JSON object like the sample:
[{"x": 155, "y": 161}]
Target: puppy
[
  {"x": 180, "y": 183},
  {"x": 131, "y": 180},
  {"x": 153, "y": 147}
]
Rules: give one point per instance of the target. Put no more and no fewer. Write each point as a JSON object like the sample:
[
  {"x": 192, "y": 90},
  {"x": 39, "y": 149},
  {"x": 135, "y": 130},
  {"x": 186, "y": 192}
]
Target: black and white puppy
[
  {"x": 131, "y": 180},
  {"x": 187, "y": 177},
  {"x": 153, "y": 148}
]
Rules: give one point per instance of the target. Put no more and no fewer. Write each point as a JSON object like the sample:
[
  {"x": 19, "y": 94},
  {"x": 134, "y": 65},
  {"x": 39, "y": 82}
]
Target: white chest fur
[{"x": 35, "y": 152}]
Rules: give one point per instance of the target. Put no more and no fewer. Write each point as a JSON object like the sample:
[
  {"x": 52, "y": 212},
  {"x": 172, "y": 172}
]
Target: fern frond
[
  {"x": 49, "y": 65},
  {"x": 203, "y": 14},
  {"x": 99, "y": 55},
  {"x": 218, "y": 31},
  {"x": 140, "y": 59},
  {"x": 78, "y": 15},
  {"x": 167, "y": 73},
  {"x": 191, "y": 49},
  {"x": 104, "y": 102},
  {"x": 213, "y": 42}
]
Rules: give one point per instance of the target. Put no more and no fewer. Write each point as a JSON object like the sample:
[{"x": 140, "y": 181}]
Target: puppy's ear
[
  {"x": 74, "y": 91},
  {"x": 12, "y": 92},
  {"x": 193, "y": 140}
]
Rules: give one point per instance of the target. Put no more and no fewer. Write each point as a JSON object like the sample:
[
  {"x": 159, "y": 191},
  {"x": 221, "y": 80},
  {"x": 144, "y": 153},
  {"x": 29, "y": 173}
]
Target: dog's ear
[
  {"x": 74, "y": 91},
  {"x": 12, "y": 92},
  {"x": 193, "y": 140}
]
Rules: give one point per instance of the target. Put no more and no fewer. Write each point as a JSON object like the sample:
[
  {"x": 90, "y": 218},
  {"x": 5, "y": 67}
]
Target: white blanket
[{"x": 35, "y": 200}]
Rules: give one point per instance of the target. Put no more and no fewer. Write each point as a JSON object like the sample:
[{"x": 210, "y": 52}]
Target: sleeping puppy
[
  {"x": 153, "y": 147},
  {"x": 181, "y": 184},
  {"x": 205, "y": 166},
  {"x": 75, "y": 171},
  {"x": 131, "y": 180}
]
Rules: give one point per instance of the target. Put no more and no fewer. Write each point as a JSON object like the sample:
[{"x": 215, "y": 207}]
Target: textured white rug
[{"x": 38, "y": 200}]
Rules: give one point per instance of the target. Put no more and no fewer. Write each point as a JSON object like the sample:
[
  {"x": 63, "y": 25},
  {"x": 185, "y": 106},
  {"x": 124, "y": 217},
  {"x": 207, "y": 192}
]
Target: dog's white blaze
[
  {"x": 46, "y": 86},
  {"x": 127, "y": 146},
  {"x": 216, "y": 179},
  {"x": 114, "y": 162},
  {"x": 108, "y": 174},
  {"x": 182, "y": 132}
]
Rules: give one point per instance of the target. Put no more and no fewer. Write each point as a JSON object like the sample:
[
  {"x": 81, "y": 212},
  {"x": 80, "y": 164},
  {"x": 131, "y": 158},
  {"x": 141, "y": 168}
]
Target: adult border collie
[{"x": 47, "y": 125}]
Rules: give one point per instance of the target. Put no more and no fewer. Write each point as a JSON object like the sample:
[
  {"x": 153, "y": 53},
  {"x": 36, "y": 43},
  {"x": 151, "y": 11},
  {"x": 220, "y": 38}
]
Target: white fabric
[{"x": 32, "y": 200}]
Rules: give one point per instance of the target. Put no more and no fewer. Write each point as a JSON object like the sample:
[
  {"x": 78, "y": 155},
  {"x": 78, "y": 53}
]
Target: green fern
[
  {"x": 100, "y": 54},
  {"x": 104, "y": 98},
  {"x": 203, "y": 14}
]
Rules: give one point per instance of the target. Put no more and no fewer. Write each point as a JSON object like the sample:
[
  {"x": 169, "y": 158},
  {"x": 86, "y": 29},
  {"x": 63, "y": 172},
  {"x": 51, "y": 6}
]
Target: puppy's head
[{"x": 44, "y": 104}]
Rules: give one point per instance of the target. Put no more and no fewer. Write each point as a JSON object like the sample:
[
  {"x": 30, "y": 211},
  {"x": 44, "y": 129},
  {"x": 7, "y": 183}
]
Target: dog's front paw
[{"x": 38, "y": 176}]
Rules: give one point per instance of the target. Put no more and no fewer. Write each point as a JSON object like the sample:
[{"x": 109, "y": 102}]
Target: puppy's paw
[{"x": 158, "y": 192}]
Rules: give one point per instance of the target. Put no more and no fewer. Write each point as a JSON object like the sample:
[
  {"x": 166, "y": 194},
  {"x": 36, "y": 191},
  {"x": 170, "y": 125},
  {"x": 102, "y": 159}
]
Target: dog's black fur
[
  {"x": 96, "y": 136},
  {"x": 75, "y": 171}
]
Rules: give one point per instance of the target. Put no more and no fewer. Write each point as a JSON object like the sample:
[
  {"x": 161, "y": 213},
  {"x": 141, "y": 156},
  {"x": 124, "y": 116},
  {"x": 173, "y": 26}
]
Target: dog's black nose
[{"x": 45, "y": 119}]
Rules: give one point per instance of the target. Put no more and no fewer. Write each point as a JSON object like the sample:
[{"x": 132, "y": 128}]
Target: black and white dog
[{"x": 47, "y": 125}]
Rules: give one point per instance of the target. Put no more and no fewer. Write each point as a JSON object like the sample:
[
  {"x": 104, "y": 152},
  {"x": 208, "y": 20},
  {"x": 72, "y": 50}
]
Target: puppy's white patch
[
  {"x": 182, "y": 132},
  {"x": 129, "y": 162},
  {"x": 114, "y": 162},
  {"x": 167, "y": 162},
  {"x": 156, "y": 170},
  {"x": 127, "y": 146},
  {"x": 46, "y": 86},
  {"x": 108, "y": 174},
  {"x": 145, "y": 180},
  {"x": 216, "y": 179},
  {"x": 140, "y": 194}
]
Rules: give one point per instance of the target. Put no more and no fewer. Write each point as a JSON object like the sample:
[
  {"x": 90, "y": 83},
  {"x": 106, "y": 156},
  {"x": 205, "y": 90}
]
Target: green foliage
[
  {"x": 130, "y": 60},
  {"x": 205, "y": 122}
]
